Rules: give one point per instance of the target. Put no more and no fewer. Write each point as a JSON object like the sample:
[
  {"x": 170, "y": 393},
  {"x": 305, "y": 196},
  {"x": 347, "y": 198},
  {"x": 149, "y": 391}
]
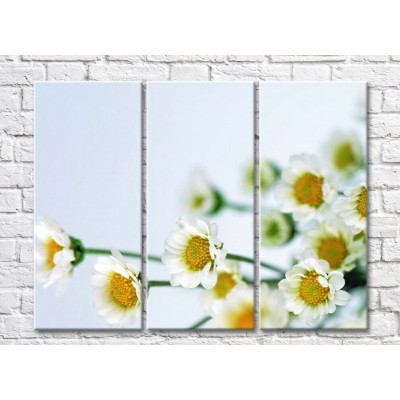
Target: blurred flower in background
[
  {"x": 193, "y": 253},
  {"x": 345, "y": 154},
  {"x": 273, "y": 314},
  {"x": 276, "y": 228},
  {"x": 228, "y": 278},
  {"x": 117, "y": 290},
  {"x": 269, "y": 174}
]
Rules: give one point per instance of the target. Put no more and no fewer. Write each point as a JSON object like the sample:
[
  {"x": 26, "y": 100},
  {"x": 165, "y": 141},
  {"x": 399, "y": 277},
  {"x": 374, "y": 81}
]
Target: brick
[
  {"x": 17, "y": 123},
  {"x": 244, "y": 58},
  {"x": 12, "y": 225},
  {"x": 6, "y": 150},
  {"x": 390, "y": 299},
  {"x": 61, "y": 58},
  {"x": 10, "y": 201},
  {"x": 27, "y": 98},
  {"x": 382, "y": 226},
  {"x": 24, "y": 150},
  {"x": 384, "y": 125},
  {"x": 391, "y": 101},
  {"x": 27, "y": 302},
  {"x": 190, "y": 72},
  {"x": 312, "y": 59},
  {"x": 17, "y": 74},
  {"x": 311, "y": 73},
  {"x": 374, "y": 201},
  {"x": 391, "y": 151},
  {"x": 10, "y": 99},
  {"x": 12, "y": 175},
  {"x": 374, "y": 250},
  {"x": 66, "y": 72},
  {"x": 16, "y": 276},
  {"x": 185, "y": 59},
  {"x": 26, "y": 251},
  {"x": 395, "y": 58},
  {"x": 126, "y": 58},
  {"x": 250, "y": 72},
  {"x": 375, "y": 99},
  {"x": 384, "y": 177},
  {"x": 19, "y": 326},
  {"x": 7, "y": 249},
  {"x": 391, "y": 201},
  {"x": 374, "y": 74},
  {"x": 9, "y": 299},
  {"x": 368, "y": 59},
  {"x": 373, "y": 299},
  {"x": 391, "y": 250},
  {"x": 374, "y": 151},
  {"x": 384, "y": 275},
  {"x": 28, "y": 200},
  {"x": 128, "y": 72}
]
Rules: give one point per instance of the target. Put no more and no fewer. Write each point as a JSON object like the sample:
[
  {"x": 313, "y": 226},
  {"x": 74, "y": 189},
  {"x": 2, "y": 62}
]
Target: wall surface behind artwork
[{"x": 17, "y": 75}]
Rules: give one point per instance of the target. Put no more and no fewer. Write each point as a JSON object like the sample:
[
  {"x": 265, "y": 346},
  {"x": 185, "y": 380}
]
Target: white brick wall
[{"x": 17, "y": 74}]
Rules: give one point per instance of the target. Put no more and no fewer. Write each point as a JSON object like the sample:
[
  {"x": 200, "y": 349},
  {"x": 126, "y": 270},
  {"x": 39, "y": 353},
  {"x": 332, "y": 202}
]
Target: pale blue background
[
  {"x": 301, "y": 117},
  {"x": 206, "y": 126},
  {"x": 87, "y": 144}
]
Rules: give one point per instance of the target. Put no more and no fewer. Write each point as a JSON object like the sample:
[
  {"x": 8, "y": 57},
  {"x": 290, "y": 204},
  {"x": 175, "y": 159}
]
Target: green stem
[
  {"x": 151, "y": 284},
  {"x": 200, "y": 323},
  {"x": 229, "y": 256},
  {"x": 238, "y": 206}
]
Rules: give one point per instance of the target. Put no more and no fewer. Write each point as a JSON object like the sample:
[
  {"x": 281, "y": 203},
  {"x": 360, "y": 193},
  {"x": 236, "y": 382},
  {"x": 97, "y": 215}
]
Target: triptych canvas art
[{"x": 207, "y": 146}]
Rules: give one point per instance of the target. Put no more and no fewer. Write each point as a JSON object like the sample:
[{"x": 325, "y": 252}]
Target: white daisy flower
[
  {"x": 305, "y": 190},
  {"x": 353, "y": 209},
  {"x": 227, "y": 279},
  {"x": 311, "y": 290},
  {"x": 236, "y": 311},
  {"x": 201, "y": 198},
  {"x": 273, "y": 314},
  {"x": 268, "y": 172},
  {"x": 117, "y": 289},
  {"x": 345, "y": 154},
  {"x": 54, "y": 251},
  {"x": 334, "y": 242},
  {"x": 193, "y": 253},
  {"x": 276, "y": 228}
]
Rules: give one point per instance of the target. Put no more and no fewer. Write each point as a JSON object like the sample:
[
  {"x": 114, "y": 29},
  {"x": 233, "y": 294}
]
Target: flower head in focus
[
  {"x": 117, "y": 290},
  {"x": 353, "y": 208},
  {"x": 227, "y": 279},
  {"x": 236, "y": 311},
  {"x": 193, "y": 253},
  {"x": 305, "y": 190},
  {"x": 345, "y": 154},
  {"x": 276, "y": 228},
  {"x": 334, "y": 242},
  {"x": 57, "y": 252},
  {"x": 311, "y": 290},
  {"x": 273, "y": 314}
]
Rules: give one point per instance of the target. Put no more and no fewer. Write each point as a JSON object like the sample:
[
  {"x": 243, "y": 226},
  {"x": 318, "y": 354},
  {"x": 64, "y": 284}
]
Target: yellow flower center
[
  {"x": 362, "y": 202},
  {"x": 52, "y": 248},
  {"x": 308, "y": 190},
  {"x": 197, "y": 253},
  {"x": 344, "y": 156},
  {"x": 198, "y": 201},
  {"x": 311, "y": 291},
  {"x": 224, "y": 285},
  {"x": 244, "y": 319},
  {"x": 333, "y": 250},
  {"x": 123, "y": 292}
]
